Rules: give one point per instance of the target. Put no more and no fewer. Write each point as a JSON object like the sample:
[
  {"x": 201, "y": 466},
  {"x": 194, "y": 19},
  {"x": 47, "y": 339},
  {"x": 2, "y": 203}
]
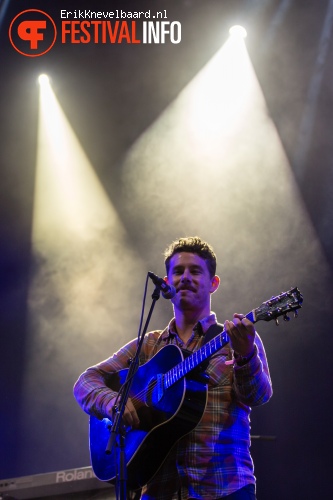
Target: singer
[{"x": 211, "y": 460}]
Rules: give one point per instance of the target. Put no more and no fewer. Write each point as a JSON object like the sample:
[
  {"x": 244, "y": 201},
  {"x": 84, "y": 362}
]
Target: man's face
[{"x": 189, "y": 274}]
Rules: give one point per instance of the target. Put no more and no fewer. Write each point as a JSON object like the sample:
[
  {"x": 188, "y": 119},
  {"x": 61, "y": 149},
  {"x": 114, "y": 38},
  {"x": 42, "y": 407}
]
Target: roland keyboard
[{"x": 63, "y": 484}]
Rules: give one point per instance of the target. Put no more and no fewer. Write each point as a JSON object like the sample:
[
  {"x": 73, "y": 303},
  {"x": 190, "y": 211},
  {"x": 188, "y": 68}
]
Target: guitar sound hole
[{"x": 154, "y": 391}]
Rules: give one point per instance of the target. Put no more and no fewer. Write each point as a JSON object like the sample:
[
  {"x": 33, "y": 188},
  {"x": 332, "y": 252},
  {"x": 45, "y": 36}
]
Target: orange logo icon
[{"x": 32, "y": 33}]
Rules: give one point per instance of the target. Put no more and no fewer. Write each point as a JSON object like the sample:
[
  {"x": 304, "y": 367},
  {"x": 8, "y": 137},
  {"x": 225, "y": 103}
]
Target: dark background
[{"x": 270, "y": 232}]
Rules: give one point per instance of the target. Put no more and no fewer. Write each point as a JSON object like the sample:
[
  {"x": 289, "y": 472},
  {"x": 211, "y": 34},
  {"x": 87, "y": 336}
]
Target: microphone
[{"x": 168, "y": 291}]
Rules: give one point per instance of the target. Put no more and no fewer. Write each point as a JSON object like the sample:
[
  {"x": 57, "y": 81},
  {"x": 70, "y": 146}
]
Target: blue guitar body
[{"x": 170, "y": 415}]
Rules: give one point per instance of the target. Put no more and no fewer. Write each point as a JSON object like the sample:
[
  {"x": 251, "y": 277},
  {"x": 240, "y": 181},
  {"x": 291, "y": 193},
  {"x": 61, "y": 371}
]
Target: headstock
[{"x": 280, "y": 306}]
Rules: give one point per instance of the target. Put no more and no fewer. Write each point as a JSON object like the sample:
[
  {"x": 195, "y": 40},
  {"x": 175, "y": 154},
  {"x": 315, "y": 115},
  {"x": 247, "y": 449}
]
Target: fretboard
[{"x": 197, "y": 357}]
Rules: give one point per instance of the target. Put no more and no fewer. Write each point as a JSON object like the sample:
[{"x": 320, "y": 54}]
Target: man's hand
[
  {"x": 130, "y": 417},
  {"x": 241, "y": 333}
]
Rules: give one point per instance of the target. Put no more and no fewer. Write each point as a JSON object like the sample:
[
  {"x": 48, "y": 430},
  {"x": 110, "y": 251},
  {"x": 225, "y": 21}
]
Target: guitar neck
[{"x": 182, "y": 369}]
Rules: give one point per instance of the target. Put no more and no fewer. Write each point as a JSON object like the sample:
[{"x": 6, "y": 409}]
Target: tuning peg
[
  {"x": 286, "y": 317},
  {"x": 276, "y": 321}
]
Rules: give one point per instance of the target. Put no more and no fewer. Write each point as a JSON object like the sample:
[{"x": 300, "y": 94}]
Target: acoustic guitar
[{"x": 169, "y": 393}]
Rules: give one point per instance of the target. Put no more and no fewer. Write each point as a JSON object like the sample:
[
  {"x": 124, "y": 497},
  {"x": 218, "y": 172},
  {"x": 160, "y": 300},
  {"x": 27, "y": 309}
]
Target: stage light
[
  {"x": 43, "y": 80},
  {"x": 74, "y": 221},
  {"x": 77, "y": 285},
  {"x": 216, "y": 150},
  {"x": 68, "y": 193},
  {"x": 219, "y": 98},
  {"x": 80, "y": 249},
  {"x": 238, "y": 31}
]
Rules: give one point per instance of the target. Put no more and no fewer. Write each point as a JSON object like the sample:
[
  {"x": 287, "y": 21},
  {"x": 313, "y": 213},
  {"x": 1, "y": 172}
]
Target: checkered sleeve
[
  {"x": 91, "y": 390},
  {"x": 252, "y": 381}
]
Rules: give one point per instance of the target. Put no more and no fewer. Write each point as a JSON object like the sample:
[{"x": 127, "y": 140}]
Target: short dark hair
[{"x": 192, "y": 244}]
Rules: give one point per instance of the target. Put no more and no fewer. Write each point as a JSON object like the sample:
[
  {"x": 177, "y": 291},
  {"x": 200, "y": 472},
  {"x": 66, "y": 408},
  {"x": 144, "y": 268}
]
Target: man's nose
[{"x": 186, "y": 276}]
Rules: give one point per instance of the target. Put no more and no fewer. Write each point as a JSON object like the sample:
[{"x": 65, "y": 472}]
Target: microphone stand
[{"x": 118, "y": 428}]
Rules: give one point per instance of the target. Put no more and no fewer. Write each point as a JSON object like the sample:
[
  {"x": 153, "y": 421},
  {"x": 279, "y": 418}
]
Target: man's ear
[
  {"x": 166, "y": 279},
  {"x": 215, "y": 284}
]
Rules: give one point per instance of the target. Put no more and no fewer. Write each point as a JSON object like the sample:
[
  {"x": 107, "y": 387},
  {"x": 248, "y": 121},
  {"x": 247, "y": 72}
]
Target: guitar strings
[{"x": 172, "y": 376}]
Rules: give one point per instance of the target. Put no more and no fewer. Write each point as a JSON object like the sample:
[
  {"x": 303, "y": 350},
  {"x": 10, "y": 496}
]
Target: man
[{"x": 213, "y": 461}]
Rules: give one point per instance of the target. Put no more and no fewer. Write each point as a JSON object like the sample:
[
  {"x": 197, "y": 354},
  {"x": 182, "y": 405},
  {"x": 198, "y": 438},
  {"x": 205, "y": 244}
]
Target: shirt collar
[{"x": 201, "y": 326}]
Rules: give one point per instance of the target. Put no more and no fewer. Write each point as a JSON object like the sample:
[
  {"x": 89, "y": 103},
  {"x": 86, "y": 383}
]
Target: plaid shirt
[{"x": 214, "y": 459}]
